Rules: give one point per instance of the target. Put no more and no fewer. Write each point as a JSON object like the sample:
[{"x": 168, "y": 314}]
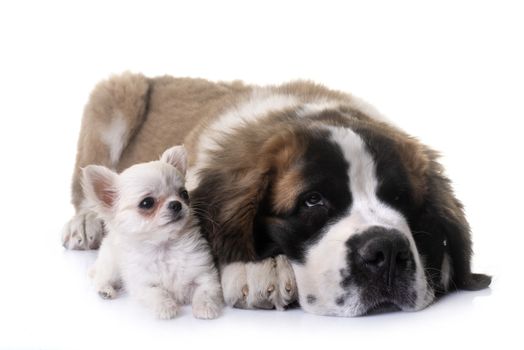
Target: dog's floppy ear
[
  {"x": 177, "y": 157},
  {"x": 99, "y": 184},
  {"x": 227, "y": 212},
  {"x": 239, "y": 186},
  {"x": 441, "y": 229}
]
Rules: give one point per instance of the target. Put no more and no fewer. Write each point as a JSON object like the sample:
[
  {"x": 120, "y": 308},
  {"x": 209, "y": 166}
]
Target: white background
[{"x": 450, "y": 73}]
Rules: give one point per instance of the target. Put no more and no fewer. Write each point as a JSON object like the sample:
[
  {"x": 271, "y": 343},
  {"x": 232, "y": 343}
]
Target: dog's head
[
  {"x": 363, "y": 212},
  {"x": 146, "y": 202}
]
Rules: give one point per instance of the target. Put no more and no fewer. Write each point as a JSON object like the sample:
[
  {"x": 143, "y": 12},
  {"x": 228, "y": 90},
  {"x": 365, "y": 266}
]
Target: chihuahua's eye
[
  {"x": 185, "y": 195},
  {"x": 147, "y": 203}
]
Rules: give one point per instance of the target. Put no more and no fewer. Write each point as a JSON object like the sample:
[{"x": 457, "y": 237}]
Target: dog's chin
[
  {"x": 174, "y": 221},
  {"x": 382, "y": 308}
]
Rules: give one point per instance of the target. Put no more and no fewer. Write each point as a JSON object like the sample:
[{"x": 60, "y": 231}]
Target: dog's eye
[
  {"x": 184, "y": 194},
  {"x": 147, "y": 203},
  {"x": 314, "y": 199},
  {"x": 399, "y": 197}
]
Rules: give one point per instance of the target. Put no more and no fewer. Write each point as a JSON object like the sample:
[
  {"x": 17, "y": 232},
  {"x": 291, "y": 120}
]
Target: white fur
[
  {"x": 313, "y": 108},
  {"x": 446, "y": 272},
  {"x": 114, "y": 137},
  {"x": 246, "y": 284},
  {"x": 261, "y": 102},
  {"x": 320, "y": 276},
  {"x": 369, "y": 110},
  {"x": 162, "y": 261},
  {"x": 265, "y": 284},
  {"x": 84, "y": 231}
]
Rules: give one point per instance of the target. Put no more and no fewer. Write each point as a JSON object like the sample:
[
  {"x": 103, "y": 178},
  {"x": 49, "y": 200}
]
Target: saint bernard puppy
[{"x": 304, "y": 193}]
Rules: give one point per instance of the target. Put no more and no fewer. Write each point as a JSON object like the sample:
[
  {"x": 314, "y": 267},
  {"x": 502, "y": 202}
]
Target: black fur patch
[
  {"x": 395, "y": 190},
  {"x": 311, "y": 299},
  {"x": 326, "y": 171},
  {"x": 340, "y": 300},
  {"x": 437, "y": 218},
  {"x": 371, "y": 283}
]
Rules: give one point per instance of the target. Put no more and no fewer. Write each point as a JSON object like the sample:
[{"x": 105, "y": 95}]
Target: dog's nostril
[
  {"x": 175, "y": 206},
  {"x": 384, "y": 253},
  {"x": 403, "y": 256},
  {"x": 374, "y": 258}
]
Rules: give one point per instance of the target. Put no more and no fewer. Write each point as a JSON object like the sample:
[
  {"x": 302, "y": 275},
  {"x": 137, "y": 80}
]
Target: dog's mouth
[
  {"x": 381, "y": 308},
  {"x": 175, "y": 219}
]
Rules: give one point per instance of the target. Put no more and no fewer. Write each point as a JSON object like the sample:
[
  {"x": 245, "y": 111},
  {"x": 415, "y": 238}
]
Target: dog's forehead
[
  {"x": 376, "y": 159},
  {"x": 154, "y": 176},
  {"x": 319, "y": 166},
  {"x": 335, "y": 162},
  {"x": 355, "y": 152},
  {"x": 363, "y": 177}
]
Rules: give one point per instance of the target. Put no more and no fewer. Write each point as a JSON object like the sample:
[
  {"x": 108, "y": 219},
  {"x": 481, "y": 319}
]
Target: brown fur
[
  {"x": 165, "y": 111},
  {"x": 126, "y": 94},
  {"x": 287, "y": 188},
  {"x": 160, "y": 112},
  {"x": 239, "y": 183},
  {"x": 256, "y": 161}
]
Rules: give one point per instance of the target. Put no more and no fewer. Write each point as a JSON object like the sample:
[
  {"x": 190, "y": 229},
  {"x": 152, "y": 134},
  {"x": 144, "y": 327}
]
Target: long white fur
[
  {"x": 114, "y": 137},
  {"x": 265, "y": 284},
  {"x": 163, "y": 264},
  {"x": 261, "y": 102}
]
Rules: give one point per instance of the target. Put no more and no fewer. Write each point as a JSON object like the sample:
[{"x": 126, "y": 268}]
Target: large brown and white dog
[{"x": 302, "y": 192}]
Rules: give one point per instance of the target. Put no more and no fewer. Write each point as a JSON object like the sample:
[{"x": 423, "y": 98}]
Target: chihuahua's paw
[
  {"x": 107, "y": 292},
  {"x": 267, "y": 284},
  {"x": 207, "y": 310},
  {"x": 166, "y": 309},
  {"x": 84, "y": 231}
]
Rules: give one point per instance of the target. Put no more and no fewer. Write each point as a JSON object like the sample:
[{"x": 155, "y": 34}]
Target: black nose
[
  {"x": 175, "y": 206},
  {"x": 384, "y": 252}
]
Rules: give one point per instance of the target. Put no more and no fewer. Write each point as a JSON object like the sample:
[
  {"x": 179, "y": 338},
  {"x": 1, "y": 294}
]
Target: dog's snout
[
  {"x": 175, "y": 206},
  {"x": 384, "y": 252}
]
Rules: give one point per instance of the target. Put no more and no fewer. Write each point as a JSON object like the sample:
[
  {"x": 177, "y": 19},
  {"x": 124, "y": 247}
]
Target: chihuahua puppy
[{"x": 153, "y": 247}]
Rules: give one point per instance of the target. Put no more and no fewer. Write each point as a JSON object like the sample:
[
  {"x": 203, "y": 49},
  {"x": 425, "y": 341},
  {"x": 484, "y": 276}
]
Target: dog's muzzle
[
  {"x": 382, "y": 254},
  {"x": 381, "y": 266}
]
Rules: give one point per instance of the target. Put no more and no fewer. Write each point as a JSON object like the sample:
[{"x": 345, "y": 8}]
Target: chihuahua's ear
[
  {"x": 99, "y": 184},
  {"x": 177, "y": 157}
]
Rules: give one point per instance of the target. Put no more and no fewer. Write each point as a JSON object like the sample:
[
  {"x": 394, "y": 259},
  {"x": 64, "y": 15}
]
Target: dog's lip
[
  {"x": 175, "y": 219},
  {"x": 382, "y": 307}
]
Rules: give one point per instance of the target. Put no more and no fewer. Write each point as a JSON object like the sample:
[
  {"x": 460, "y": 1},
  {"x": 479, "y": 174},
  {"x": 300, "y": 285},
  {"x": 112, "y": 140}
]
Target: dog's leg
[
  {"x": 114, "y": 113},
  {"x": 267, "y": 284},
  {"x": 207, "y": 298},
  {"x": 105, "y": 273},
  {"x": 156, "y": 298}
]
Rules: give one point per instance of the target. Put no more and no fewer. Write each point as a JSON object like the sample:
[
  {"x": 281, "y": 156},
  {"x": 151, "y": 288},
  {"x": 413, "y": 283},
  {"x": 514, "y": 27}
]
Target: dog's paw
[
  {"x": 267, "y": 284},
  {"x": 166, "y": 309},
  {"x": 206, "y": 310},
  {"x": 84, "y": 231},
  {"x": 107, "y": 292}
]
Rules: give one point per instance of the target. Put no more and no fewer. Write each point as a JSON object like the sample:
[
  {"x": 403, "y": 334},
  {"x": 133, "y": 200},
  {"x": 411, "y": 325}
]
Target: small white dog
[{"x": 153, "y": 246}]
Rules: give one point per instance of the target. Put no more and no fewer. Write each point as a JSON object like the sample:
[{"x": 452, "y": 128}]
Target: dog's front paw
[
  {"x": 267, "y": 284},
  {"x": 107, "y": 292},
  {"x": 166, "y": 309},
  {"x": 206, "y": 310},
  {"x": 84, "y": 231}
]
